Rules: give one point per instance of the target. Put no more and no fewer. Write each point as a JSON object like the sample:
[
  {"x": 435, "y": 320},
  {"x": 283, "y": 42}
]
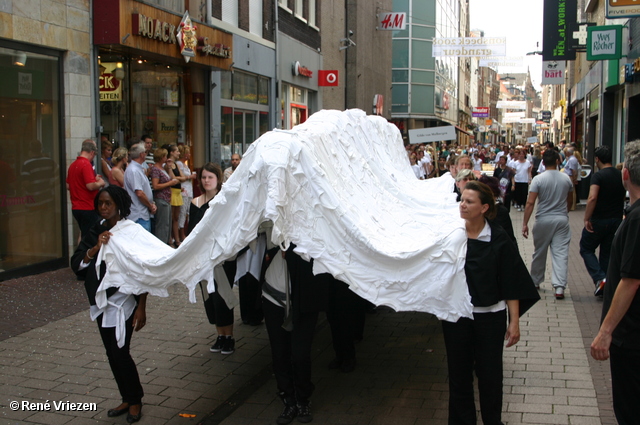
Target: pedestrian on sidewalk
[
  {"x": 498, "y": 281},
  {"x": 619, "y": 335},
  {"x": 553, "y": 190},
  {"x": 123, "y": 313},
  {"x": 602, "y": 217}
]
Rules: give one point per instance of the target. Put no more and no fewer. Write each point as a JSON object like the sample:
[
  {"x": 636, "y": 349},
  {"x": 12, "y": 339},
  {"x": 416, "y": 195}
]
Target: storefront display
[{"x": 31, "y": 214}]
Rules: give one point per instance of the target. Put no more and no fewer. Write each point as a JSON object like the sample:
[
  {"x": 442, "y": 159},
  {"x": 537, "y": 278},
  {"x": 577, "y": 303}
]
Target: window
[
  {"x": 255, "y": 17},
  {"x": 230, "y": 12},
  {"x": 312, "y": 14},
  {"x": 283, "y": 4},
  {"x": 299, "y": 12},
  {"x": 174, "y": 5}
]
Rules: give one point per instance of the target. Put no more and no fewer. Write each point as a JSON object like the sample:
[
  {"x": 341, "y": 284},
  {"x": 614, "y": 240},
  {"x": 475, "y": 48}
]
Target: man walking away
[
  {"x": 602, "y": 217},
  {"x": 619, "y": 335},
  {"x": 554, "y": 190}
]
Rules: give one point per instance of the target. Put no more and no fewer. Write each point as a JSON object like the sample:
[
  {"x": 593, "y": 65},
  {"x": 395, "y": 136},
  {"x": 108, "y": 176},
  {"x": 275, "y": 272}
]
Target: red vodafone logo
[
  {"x": 301, "y": 70},
  {"x": 328, "y": 77}
]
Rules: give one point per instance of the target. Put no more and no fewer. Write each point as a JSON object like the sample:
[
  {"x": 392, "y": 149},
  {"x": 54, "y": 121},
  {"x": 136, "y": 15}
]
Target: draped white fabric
[{"x": 340, "y": 187}]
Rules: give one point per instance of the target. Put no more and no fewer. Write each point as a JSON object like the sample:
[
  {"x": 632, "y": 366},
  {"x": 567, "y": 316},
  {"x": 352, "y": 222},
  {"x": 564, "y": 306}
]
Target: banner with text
[
  {"x": 469, "y": 47},
  {"x": 480, "y": 112},
  {"x": 558, "y": 22},
  {"x": 553, "y": 72},
  {"x": 432, "y": 134},
  {"x": 511, "y": 104},
  {"x": 507, "y": 61}
]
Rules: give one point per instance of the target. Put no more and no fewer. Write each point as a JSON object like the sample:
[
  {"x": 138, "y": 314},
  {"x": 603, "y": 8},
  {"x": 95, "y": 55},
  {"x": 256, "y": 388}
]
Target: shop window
[
  {"x": 245, "y": 87},
  {"x": 31, "y": 219},
  {"x": 263, "y": 91}
]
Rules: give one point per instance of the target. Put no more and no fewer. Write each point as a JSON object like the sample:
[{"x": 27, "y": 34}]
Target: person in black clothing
[
  {"x": 113, "y": 204},
  {"x": 619, "y": 334},
  {"x": 502, "y": 215},
  {"x": 219, "y": 314},
  {"x": 498, "y": 281},
  {"x": 504, "y": 175},
  {"x": 602, "y": 217}
]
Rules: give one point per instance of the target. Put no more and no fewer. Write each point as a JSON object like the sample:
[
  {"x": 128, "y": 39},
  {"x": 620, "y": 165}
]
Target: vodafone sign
[
  {"x": 327, "y": 78},
  {"x": 301, "y": 70}
]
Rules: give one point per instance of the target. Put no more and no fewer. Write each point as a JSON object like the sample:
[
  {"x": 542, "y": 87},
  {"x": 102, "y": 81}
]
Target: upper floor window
[
  {"x": 173, "y": 5},
  {"x": 230, "y": 12}
]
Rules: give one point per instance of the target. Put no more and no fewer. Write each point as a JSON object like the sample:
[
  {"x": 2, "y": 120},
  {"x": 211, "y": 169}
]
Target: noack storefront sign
[{"x": 604, "y": 43}]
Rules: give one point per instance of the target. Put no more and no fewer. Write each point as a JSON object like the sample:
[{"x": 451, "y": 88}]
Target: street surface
[{"x": 52, "y": 361}]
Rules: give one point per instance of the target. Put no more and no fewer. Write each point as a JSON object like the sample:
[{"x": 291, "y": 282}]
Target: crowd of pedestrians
[{"x": 280, "y": 288}]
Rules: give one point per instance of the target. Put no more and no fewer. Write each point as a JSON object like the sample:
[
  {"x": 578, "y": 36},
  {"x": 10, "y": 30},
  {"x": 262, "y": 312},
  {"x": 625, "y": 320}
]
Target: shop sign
[
  {"x": 432, "y": 134},
  {"x": 469, "y": 47},
  {"x": 187, "y": 39},
  {"x": 154, "y": 29},
  {"x": 327, "y": 78},
  {"x": 303, "y": 71},
  {"x": 622, "y": 9},
  {"x": 25, "y": 83},
  {"x": 480, "y": 112},
  {"x": 559, "y": 18},
  {"x": 553, "y": 72},
  {"x": 604, "y": 42},
  {"x": 511, "y": 104},
  {"x": 110, "y": 89},
  {"x": 219, "y": 50},
  {"x": 546, "y": 116},
  {"x": 392, "y": 21}
]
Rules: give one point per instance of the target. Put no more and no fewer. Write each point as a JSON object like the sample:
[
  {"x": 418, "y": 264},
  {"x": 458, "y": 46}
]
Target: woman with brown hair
[
  {"x": 119, "y": 162},
  {"x": 210, "y": 179},
  {"x": 498, "y": 282},
  {"x": 161, "y": 184}
]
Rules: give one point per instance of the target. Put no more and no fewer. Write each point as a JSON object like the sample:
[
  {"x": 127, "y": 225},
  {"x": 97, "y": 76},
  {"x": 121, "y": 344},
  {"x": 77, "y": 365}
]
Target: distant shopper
[
  {"x": 83, "y": 185},
  {"x": 235, "y": 161},
  {"x": 619, "y": 335},
  {"x": 602, "y": 217},
  {"x": 137, "y": 185}
]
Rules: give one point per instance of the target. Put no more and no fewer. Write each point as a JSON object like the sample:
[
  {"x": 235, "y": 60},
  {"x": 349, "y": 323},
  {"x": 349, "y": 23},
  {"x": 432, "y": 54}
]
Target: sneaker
[
  {"x": 228, "y": 346},
  {"x": 559, "y": 293},
  {"x": 288, "y": 414},
  {"x": 217, "y": 347},
  {"x": 304, "y": 413},
  {"x": 599, "y": 287}
]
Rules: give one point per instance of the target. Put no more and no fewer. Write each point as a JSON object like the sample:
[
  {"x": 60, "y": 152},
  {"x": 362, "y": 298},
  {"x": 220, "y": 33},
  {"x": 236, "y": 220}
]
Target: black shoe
[
  {"x": 288, "y": 414},
  {"x": 304, "y": 413},
  {"x": 217, "y": 347},
  {"x": 335, "y": 364},
  {"x": 134, "y": 418},
  {"x": 112, "y": 413},
  {"x": 348, "y": 365},
  {"x": 228, "y": 346}
]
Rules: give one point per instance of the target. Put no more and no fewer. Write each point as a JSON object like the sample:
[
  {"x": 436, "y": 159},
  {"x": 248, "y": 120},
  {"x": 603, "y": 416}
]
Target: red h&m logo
[
  {"x": 392, "y": 21},
  {"x": 327, "y": 78}
]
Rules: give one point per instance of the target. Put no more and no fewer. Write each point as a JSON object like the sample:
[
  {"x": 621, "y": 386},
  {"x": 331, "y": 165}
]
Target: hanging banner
[
  {"x": 469, "y": 47},
  {"x": 527, "y": 121},
  {"x": 559, "y": 20},
  {"x": 514, "y": 114},
  {"x": 432, "y": 134},
  {"x": 510, "y": 61},
  {"x": 553, "y": 72},
  {"x": 511, "y": 104},
  {"x": 622, "y": 9}
]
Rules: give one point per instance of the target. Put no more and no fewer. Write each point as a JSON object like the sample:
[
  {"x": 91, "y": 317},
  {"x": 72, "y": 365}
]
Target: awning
[{"x": 463, "y": 131}]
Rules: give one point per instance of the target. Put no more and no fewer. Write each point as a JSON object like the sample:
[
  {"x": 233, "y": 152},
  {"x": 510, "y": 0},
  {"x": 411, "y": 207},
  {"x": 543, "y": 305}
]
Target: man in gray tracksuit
[{"x": 553, "y": 190}]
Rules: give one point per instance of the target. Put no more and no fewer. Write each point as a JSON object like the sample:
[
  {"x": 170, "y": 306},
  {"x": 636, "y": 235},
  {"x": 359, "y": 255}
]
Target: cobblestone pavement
[{"x": 51, "y": 351}]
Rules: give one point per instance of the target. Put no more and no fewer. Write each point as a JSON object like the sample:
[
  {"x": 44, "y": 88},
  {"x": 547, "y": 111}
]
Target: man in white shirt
[{"x": 571, "y": 169}]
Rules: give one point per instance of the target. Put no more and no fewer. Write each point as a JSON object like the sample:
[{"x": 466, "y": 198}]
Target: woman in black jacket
[
  {"x": 113, "y": 204},
  {"x": 498, "y": 282}
]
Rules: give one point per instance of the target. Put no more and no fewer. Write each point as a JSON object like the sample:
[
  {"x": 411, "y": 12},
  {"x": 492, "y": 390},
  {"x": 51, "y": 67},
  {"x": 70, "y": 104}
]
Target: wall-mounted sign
[
  {"x": 553, "y": 72},
  {"x": 480, "y": 112},
  {"x": 545, "y": 116},
  {"x": 432, "y": 134},
  {"x": 328, "y": 78},
  {"x": 392, "y": 21},
  {"x": 154, "y": 29},
  {"x": 110, "y": 88},
  {"x": 303, "y": 71},
  {"x": 559, "y": 20},
  {"x": 469, "y": 47},
  {"x": 604, "y": 43},
  {"x": 511, "y": 104},
  {"x": 187, "y": 37},
  {"x": 622, "y": 8},
  {"x": 219, "y": 50}
]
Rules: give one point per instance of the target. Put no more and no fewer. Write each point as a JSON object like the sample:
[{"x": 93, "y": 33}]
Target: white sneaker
[{"x": 559, "y": 293}]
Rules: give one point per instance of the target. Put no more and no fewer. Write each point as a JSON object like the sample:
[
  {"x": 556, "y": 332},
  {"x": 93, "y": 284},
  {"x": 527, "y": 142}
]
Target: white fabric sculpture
[{"x": 340, "y": 187}]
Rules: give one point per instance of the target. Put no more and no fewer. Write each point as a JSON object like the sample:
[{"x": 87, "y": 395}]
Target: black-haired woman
[
  {"x": 498, "y": 281},
  {"x": 124, "y": 313}
]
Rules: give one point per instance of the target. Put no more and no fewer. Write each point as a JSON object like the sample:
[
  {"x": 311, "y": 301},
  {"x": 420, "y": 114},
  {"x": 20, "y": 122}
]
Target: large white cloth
[{"x": 340, "y": 187}]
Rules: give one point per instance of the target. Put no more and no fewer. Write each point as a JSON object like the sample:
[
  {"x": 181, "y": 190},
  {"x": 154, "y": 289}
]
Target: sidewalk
[{"x": 400, "y": 378}]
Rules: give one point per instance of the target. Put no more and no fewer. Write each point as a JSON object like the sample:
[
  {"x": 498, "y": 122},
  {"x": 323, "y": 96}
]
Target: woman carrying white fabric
[{"x": 498, "y": 281}]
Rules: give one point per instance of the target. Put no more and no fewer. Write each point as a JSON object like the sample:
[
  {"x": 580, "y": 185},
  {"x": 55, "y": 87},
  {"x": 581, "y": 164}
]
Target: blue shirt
[{"x": 136, "y": 179}]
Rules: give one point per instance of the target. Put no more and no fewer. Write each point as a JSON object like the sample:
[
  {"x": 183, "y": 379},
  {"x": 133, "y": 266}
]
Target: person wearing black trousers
[
  {"x": 113, "y": 204},
  {"x": 291, "y": 322}
]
